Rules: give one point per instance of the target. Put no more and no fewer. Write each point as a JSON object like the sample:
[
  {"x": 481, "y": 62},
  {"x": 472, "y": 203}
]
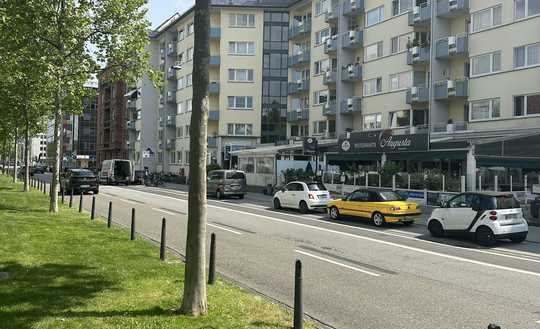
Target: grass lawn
[{"x": 66, "y": 271}]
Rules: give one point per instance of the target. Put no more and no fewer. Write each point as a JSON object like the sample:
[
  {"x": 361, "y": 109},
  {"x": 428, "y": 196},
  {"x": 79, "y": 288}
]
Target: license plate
[
  {"x": 85, "y": 186},
  {"x": 322, "y": 196},
  {"x": 511, "y": 216},
  {"x": 235, "y": 187}
]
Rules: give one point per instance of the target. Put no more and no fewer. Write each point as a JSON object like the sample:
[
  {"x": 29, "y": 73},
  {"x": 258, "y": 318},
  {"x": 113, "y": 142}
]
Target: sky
[{"x": 160, "y": 10}]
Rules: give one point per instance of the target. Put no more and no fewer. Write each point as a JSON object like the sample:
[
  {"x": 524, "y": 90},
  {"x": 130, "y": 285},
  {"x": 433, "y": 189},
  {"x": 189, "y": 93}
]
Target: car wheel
[
  {"x": 378, "y": 219},
  {"x": 240, "y": 196},
  {"x": 277, "y": 204},
  {"x": 96, "y": 191},
  {"x": 485, "y": 236},
  {"x": 334, "y": 212},
  {"x": 408, "y": 223},
  {"x": 219, "y": 194},
  {"x": 436, "y": 229},
  {"x": 303, "y": 207},
  {"x": 519, "y": 238}
]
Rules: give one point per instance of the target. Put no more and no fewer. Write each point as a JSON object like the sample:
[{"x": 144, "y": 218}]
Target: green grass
[{"x": 66, "y": 271}]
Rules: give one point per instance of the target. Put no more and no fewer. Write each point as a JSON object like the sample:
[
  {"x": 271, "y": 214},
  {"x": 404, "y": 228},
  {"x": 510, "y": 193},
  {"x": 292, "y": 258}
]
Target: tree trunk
[
  {"x": 194, "y": 299},
  {"x": 26, "y": 151},
  {"x": 15, "y": 155},
  {"x": 53, "y": 207}
]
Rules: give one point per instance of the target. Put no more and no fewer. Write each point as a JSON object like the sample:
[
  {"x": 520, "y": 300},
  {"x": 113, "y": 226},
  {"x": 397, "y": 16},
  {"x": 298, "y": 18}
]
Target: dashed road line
[
  {"x": 223, "y": 228},
  {"x": 337, "y": 263},
  {"x": 164, "y": 211}
]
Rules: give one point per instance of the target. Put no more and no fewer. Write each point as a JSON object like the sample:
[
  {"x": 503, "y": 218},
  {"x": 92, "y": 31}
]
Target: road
[{"x": 355, "y": 275}]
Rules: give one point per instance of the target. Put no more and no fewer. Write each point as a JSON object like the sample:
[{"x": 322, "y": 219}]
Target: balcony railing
[
  {"x": 453, "y": 46},
  {"x": 169, "y": 144},
  {"x": 418, "y": 55},
  {"x": 171, "y": 74},
  {"x": 214, "y": 61},
  {"x": 353, "y": 39},
  {"x": 353, "y": 7},
  {"x": 449, "y": 127},
  {"x": 215, "y": 33},
  {"x": 299, "y": 86},
  {"x": 446, "y": 89},
  {"x": 331, "y": 16},
  {"x": 212, "y": 141},
  {"x": 299, "y": 115},
  {"x": 330, "y": 77},
  {"x": 171, "y": 121},
  {"x": 299, "y": 59},
  {"x": 352, "y": 73},
  {"x": 351, "y": 105},
  {"x": 330, "y": 45},
  {"x": 171, "y": 50},
  {"x": 417, "y": 94},
  {"x": 300, "y": 29},
  {"x": 329, "y": 108},
  {"x": 213, "y": 88},
  {"x": 171, "y": 97},
  {"x": 213, "y": 115},
  {"x": 420, "y": 15},
  {"x": 452, "y": 8},
  {"x": 130, "y": 125}
]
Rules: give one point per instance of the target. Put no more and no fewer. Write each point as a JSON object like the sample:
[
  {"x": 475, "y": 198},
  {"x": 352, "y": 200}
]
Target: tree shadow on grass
[{"x": 5, "y": 207}]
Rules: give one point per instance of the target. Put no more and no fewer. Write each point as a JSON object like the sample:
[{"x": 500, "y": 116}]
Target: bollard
[
  {"x": 212, "y": 265},
  {"x": 494, "y": 326},
  {"x": 93, "y": 213},
  {"x": 132, "y": 224},
  {"x": 81, "y": 202},
  {"x": 63, "y": 195},
  {"x": 71, "y": 199},
  {"x": 163, "y": 239},
  {"x": 298, "y": 307},
  {"x": 44, "y": 188},
  {"x": 109, "y": 216}
]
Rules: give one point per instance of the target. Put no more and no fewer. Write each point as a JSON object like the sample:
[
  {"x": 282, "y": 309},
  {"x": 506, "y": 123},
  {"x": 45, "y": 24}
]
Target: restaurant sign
[{"x": 383, "y": 141}]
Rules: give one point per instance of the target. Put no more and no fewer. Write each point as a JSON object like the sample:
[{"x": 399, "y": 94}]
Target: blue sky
[{"x": 160, "y": 10}]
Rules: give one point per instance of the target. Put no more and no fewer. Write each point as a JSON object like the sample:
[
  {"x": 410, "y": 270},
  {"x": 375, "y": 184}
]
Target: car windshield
[
  {"x": 235, "y": 175},
  {"x": 316, "y": 187},
  {"x": 82, "y": 173},
  {"x": 121, "y": 168},
  {"x": 506, "y": 202},
  {"x": 390, "y": 196}
]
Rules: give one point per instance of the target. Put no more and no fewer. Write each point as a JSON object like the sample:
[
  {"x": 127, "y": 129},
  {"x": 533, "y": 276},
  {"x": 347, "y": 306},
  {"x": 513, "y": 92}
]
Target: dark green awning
[
  {"x": 428, "y": 155},
  {"x": 509, "y": 162},
  {"x": 340, "y": 157}
]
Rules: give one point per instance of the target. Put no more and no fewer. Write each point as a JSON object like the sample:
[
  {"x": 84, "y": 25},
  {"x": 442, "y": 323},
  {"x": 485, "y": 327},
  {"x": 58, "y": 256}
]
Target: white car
[
  {"x": 486, "y": 216},
  {"x": 303, "y": 196}
]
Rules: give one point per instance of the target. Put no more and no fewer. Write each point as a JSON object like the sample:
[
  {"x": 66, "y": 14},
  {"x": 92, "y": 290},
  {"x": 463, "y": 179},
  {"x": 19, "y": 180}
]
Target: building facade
[{"x": 38, "y": 149}]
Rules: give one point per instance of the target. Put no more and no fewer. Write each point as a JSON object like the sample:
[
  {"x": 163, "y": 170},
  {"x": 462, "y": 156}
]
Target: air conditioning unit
[
  {"x": 299, "y": 82},
  {"x": 328, "y": 42},
  {"x": 354, "y": 5},
  {"x": 452, "y": 4},
  {"x": 352, "y": 36},
  {"x": 452, "y": 44},
  {"x": 415, "y": 51},
  {"x": 178, "y": 63},
  {"x": 350, "y": 103},
  {"x": 414, "y": 92},
  {"x": 450, "y": 85},
  {"x": 416, "y": 10},
  {"x": 350, "y": 70},
  {"x": 301, "y": 24}
]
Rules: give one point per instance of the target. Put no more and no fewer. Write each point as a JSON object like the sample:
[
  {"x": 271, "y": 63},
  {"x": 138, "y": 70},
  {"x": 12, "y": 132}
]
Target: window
[
  {"x": 240, "y": 129},
  {"x": 181, "y": 83},
  {"x": 320, "y": 97},
  {"x": 179, "y": 157},
  {"x": 187, "y": 131},
  {"x": 189, "y": 105},
  {"x": 240, "y": 75},
  {"x": 372, "y": 86},
  {"x": 189, "y": 54},
  {"x": 372, "y": 121},
  {"x": 526, "y": 105},
  {"x": 180, "y": 108},
  {"x": 241, "y": 48},
  {"x": 401, "y": 6},
  {"x": 242, "y": 20},
  {"x": 190, "y": 29},
  {"x": 399, "y": 43},
  {"x": 181, "y": 57},
  {"x": 247, "y": 165},
  {"x": 373, "y": 51},
  {"x": 265, "y": 165},
  {"x": 525, "y": 56},
  {"x": 485, "y": 109},
  {"x": 189, "y": 80},
  {"x": 374, "y": 16},
  {"x": 321, "y": 36},
  {"x": 181, "y": 35},
  {"x": 486, "y": 18},
  {"x": 322, "y": 66},
  {"x": 180, "y": 131},
  {"x": 526, "y": 8},
  {"x": 400, "y": 80},
  {"x": 400, "y": 119},
  {"x": 485, "y": 64},
  {"x": 322, "y": 6},
  {"x": 240, "y": 102},
  {"x": 186, "y": 158},
  {"x": 319, "y": 127}
]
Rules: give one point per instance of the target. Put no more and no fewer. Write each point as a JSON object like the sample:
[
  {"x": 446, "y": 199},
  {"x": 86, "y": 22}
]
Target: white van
[{"x": 116, "y": 171}]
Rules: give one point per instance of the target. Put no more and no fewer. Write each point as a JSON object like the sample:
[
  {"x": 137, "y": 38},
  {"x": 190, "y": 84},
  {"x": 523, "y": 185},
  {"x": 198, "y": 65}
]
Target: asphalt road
[{"x": 355, "y": 275}]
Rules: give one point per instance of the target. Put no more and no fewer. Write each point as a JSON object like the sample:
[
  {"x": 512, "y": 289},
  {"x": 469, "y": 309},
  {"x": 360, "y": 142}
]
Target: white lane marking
[
  {"x": 126, "y": 201},
  {"x": 406, "y": 232},
  {"x": 164, "y": 211},
  {"x": 524, "y": 253},
  {"x": 105, "y": 194},
  {"x": 336, "y": 263},
  {"x": 434, "y": 253},
  {"x": 223, "y": 228}
]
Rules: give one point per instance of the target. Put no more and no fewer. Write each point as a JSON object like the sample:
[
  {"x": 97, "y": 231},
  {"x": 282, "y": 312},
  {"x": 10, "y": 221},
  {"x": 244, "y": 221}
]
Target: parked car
[
  {"x": 485, "y": 216},
  {"x": 223, "y": 183},
  {"x": 80, "y": 180},
  {"x": 39, "y": 170},
  {"x": 304, "y": 196},
  {"x": 381, "y": 206},
  {"x": 116, "y": 171}
]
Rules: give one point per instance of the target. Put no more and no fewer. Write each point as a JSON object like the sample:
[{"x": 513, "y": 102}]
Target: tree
[{"x": 194, "y": 300}]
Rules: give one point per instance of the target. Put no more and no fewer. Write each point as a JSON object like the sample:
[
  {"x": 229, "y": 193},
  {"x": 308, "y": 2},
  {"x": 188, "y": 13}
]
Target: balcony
[
  {"x": 447, "y": 89},
  {"x": 213, "y": 88},
  {"x": 171, "y": 74},
  {"x": 171, "y": 50},
  {"x": 329, "y": 108},
  {"x": 215, "y": 33},
  {"x": 130, "y": 125},
  {"x": 330, "y": 77},
  {"x": 331, "y": 16},
  {"x": 330, "y": 45},
  {"x": 161, "y": 100},
  {"x": 452, "y": 8},
  {"x": 449, "y": 128},
  {"x": 352, "y": 73},
  {"x": 420, "y": 16},
  {"x": 453, "y": 46},
  {"x": 300, "y": 86},
  {"x": 353, "y": 39},
  {"x": 212, "y": 141},
  {"x": 298, "y": 115},
  {"x": 213, "y": 115},
  {"x": 418, "y": 55},
  {"x": 351, "y": 105},
  {"x": 171, "y": 121},
  {"x": 169, "y": 145},
  {"x": 161, "y": 123},
  {"x": 299, "y": 59},
  {"x": 300, "y": 29},
  {"x": 417, "y": 94},
  {"x": 353, "y": 7},
  {"x": 214, "y": 61},
  {"x": 171, "y": 97}
]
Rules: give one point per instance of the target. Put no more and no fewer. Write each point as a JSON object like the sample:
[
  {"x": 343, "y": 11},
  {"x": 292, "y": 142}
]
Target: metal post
[
  {"x": 132, "y": 224},
  {"x": 496, "y": 183},
  {"x": 394, "y": 182},
  {"x": 45, "y": 188},
  {"x": 463, "y": 184},
  {"x": 409, "y": 182},
  {"x": 443, "y": 182},
  {"x": 298, "y": 307},
  {"x": 511, "y": 184},
  {"x": 81, "y": 202},
  {"x": 212, "y": 265},
  {"x": 480, "y": 183},
  {"x": 71, "y": 199},
  {"x": 109, "y": 216},
  {"x": 63, "y": 195},
  {"x": 354, "y": 180},
  {"x": 379, "y": 180},
  {"x": 525, "y": 182},
  {"x": 93, "y": 213},
  {"x": 163, "y": 244},
  {"x": 367, "y": 178}
]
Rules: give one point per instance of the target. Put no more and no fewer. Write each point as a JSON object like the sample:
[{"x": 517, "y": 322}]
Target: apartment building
[{"x": 38, "y": 148}]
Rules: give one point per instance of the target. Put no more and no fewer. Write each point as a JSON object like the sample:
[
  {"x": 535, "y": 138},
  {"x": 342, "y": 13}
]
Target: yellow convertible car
[{"x": 380, "y": 206}]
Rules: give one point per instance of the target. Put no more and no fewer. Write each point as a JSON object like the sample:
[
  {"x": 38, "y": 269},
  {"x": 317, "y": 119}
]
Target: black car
[
  {"x": 39, "y": 170},
  {"x": 80, "y": 180}
]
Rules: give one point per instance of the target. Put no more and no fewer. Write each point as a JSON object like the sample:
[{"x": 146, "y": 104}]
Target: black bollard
[
  {"x": 44, "y": 188},
  {"x": 298, "y": 307},
  {"x": 132, "y": 224},
  {"x": 163, "y": 244},
  {"x": 63, "y": 195},
  {"x": 109, "y": 216},
  {"x": 81, "y": 201},
  {"x": 494, "y": 326},
  {"x": 93, "y": 213},
  {"x": 212, "y": 265}
]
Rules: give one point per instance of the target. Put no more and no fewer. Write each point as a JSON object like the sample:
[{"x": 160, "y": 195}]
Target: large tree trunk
[
  {"x": 15, "y": 155},
  {"x": 26, "y": 151},
  {"x": 194, "y": 300},
  {"x": 53, "y": 207}
]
